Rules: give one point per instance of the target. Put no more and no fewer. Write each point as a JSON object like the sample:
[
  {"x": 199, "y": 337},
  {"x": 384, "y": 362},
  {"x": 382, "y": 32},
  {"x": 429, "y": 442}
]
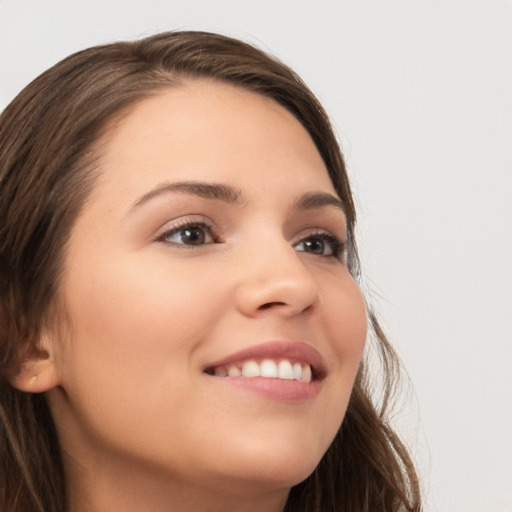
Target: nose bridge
[{"x": 272, "y": 276}]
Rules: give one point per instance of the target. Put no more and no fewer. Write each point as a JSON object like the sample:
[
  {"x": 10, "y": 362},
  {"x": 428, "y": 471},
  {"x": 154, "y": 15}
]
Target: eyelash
[
  {"x": 189, "y": 224},
  {"x": 337, "y": 247}
]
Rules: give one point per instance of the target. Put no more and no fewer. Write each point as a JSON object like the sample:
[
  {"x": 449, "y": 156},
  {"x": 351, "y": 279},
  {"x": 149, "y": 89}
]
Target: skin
[{"x": 141, "y": 426}]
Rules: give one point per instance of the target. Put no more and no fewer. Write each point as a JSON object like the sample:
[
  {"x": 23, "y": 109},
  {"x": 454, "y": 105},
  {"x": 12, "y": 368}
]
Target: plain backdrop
[{"x": 420, "y": 94}]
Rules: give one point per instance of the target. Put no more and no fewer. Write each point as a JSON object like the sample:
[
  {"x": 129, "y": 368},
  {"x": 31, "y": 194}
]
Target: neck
[{"x": 125, "y": 489}]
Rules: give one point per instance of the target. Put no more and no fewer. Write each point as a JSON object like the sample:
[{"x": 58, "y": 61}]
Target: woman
[{"x": 181, "y": 327}]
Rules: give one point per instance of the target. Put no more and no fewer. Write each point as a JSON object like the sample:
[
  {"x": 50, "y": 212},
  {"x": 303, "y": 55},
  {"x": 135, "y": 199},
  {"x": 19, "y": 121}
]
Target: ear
[{"x": 36, "y": 371}]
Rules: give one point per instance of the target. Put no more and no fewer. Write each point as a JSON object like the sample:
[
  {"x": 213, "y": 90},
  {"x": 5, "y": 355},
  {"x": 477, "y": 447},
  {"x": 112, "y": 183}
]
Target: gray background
[{"x": 419, "y": 92}]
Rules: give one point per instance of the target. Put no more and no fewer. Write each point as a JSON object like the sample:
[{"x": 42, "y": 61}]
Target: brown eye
[
  {"x": 191, "y": 234},
  {"x": 315, "y": 246},
  {"x": 321, "y": 245}
]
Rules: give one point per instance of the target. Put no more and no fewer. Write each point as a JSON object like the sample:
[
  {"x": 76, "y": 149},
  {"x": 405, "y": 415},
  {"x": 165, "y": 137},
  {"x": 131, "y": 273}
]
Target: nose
[{"x": 272, "y": 278}]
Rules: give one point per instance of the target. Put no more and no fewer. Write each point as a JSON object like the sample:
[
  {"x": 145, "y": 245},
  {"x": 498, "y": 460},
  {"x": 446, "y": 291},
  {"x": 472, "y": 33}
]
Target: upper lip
[{"x": 295, "y": 350}]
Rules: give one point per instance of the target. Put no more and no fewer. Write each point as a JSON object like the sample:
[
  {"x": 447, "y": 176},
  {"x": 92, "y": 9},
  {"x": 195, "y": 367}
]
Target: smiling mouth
[
  {"x": 279, "y": 361},
  {"x": 287, "y": 371},
  {"x": 282, "y": 369}
]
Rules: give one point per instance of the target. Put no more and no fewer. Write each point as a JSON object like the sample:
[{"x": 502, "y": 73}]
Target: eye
[
  {"x": 321, "y": 244},
  {"x": 191, "y": 233}
]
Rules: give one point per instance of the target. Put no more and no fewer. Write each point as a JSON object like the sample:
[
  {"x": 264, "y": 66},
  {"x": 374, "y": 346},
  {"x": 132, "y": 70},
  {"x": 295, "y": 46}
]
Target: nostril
[{"x": 268, "y": 305}]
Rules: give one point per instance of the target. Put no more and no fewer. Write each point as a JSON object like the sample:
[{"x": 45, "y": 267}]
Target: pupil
[
  {"x": 193, "y": 236},
  {"x": 315, "y": 246}
]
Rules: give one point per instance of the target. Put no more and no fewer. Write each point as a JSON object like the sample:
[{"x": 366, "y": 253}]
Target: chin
[{"x": 271, "y": 469}]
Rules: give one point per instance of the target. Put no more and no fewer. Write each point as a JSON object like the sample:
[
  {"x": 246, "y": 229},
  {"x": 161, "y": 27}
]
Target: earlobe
[
  {"x": 36, "y": 372},
  {"x": 36, "y": 377}
]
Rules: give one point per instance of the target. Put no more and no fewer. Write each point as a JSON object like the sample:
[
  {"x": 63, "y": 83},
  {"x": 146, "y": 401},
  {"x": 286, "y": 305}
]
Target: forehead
[{"x": 211, "y": 131}]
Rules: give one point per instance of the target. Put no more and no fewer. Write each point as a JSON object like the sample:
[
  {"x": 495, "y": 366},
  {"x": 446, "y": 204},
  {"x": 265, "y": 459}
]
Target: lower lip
[{"x": 289, "y": 391}]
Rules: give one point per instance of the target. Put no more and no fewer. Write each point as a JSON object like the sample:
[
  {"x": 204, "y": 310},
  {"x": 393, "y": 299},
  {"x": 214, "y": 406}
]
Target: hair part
[{"x": 50, "y": 140}]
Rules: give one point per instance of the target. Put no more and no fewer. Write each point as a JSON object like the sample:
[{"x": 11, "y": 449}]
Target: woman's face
[{"x": 212, "y": 245}]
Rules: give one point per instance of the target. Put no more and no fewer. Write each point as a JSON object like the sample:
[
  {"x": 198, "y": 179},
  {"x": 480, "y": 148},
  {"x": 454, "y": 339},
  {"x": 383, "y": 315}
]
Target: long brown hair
[{"x": 49, "y": 139}]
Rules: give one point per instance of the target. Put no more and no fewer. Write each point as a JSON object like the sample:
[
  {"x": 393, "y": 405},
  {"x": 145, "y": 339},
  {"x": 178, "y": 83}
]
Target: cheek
[
  {"x": 347, "y": 319},
  {"x": 133, "y": 330},
  {"x": 131, "y": 317},
  {"x": 344, "y": 323}
]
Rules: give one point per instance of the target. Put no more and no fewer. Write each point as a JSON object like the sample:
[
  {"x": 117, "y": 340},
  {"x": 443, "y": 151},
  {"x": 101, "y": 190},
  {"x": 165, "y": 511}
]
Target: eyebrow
[
  {"x": 213, "y": 191},
  {"x": 313, "y": 200},
  {"x": 231, "y": 195}
]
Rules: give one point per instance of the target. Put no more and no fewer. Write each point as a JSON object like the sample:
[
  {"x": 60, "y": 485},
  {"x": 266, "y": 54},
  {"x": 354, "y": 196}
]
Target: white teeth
[
  {"x": 268, "y": 368},
  {"x": 306, "y": 373},
  {"x": 234, "y": 371},
  {"x": 297, "y": 371},
  {"x": 285, "y": 370},
  {"x": 251, "y": 369}
]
